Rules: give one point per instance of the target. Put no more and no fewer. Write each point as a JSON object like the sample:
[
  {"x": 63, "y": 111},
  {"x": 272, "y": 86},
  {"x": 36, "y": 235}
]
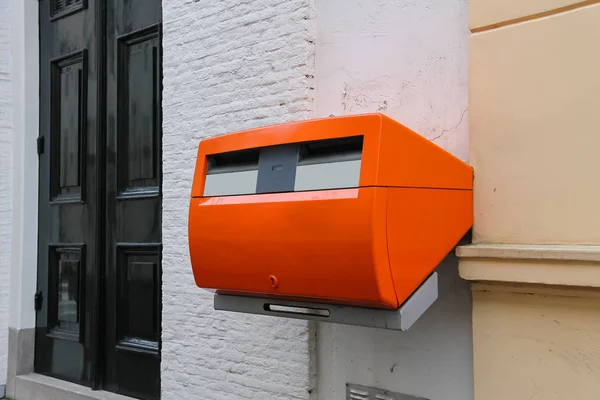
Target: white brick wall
[
  {"x": 5, "y": 179},
  {"x": 228, "y": 65}
]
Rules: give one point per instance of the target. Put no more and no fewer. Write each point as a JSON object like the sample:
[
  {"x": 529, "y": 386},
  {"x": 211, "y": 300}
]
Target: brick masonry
[
  {"x": 5, "y": 179},
  {"x": 228, "y": 65}
]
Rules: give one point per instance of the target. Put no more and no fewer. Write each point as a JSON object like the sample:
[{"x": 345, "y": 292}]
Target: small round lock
[{"x": 274, "y": 282}]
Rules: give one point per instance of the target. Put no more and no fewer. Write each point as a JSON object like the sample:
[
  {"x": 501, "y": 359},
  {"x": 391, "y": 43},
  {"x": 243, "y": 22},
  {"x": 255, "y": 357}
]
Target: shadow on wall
[{"x": 433, "y": 359}]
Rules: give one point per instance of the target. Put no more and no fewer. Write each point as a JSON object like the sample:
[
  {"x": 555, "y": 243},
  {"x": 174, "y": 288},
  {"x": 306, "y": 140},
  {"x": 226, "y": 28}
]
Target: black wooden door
[
  {"x": 133, "y": 234},
  {"x": 69, "y": 248},
  {"x": 99, "y": 269}
]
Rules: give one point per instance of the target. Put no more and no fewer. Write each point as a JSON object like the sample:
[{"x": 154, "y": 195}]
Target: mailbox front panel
[
  {"x": 305, "y": 166},
  {"x": 328, "y": 245},
  {"x": 317, "y": 144}
]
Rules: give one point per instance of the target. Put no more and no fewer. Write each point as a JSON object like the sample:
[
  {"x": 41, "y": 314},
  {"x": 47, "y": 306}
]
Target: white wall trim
[{"x": 25, "y": 80}]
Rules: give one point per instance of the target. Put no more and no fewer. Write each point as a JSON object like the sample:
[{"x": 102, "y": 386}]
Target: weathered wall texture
[
  {"x": 5, "y": 179},
  {"x": 408, "y": 60},
  {"x": 228, "y": 65}
]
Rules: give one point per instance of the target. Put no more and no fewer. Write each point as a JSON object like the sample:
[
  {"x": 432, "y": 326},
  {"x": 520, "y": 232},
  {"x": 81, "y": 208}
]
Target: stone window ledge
[{"x": 545, "y": 264}]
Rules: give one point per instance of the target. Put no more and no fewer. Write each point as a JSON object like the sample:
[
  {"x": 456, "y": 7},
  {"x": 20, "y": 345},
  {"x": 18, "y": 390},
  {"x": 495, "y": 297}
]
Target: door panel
[
  {"x": 133, "y": 236},
  {"x": 138, "y": 144},
  {"x": 68, "y": 252},
  {"x": 68, "y": 88}
]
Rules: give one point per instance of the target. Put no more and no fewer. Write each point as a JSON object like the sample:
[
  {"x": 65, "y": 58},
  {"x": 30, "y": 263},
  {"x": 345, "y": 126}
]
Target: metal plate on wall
[
  {"x": 359, "y": 392},
  {"x": 400, "y": 319}
]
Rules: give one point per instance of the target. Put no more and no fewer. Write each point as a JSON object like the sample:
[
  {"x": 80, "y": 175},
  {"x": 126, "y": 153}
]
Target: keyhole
[{"x": 273, "y": 280}]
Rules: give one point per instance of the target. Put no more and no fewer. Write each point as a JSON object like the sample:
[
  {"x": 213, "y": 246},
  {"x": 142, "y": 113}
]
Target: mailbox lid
[
  {"x": 328, "y": 245},
  {"x": 391, "y": 155}
]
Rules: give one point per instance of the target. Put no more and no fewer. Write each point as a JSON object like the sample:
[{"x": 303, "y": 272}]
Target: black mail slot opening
[
  {"x": 241, "y": 160},
  {"x": 331, "y": 150},
  {"x": 315, "y": 312}
]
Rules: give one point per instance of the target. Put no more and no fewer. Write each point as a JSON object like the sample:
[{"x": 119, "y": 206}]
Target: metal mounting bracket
[{"x": 400, "y": 320}]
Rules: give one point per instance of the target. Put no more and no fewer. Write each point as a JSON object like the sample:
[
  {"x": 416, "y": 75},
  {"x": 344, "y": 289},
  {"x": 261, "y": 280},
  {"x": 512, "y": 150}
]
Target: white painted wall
[
  {"x": 228, "y": 65},
  {"x": 5, "y": 180},
  {"x": 407, "y": 59},
  {"x": 24, "y": 55},
  {"x": 433, "y": 359}
]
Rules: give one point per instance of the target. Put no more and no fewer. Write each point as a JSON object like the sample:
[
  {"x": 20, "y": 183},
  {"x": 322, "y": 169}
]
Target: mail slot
[{"x": 350, "y": 211}]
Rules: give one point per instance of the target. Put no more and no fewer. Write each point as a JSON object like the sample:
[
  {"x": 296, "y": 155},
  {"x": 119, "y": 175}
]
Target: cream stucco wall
[
  {"x": 485, "y": 15},
  {"x": 535, "y": 343},
  {"x": 408, "y": 60},
  {"x": 534, "y": 93}
]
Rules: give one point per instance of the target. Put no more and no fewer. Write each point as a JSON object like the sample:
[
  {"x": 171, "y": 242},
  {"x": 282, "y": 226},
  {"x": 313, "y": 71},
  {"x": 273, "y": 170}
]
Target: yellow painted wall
[
  {"x": 534, "y": 126},
  {"x": 535, "y": 346},
  {"x": 534, "y": 91},
  {"x": 485, "y": 14}
]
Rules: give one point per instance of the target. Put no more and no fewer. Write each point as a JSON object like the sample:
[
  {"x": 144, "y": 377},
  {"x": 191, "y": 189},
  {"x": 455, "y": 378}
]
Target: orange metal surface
[
  {"x": 328, "y": 245},
  {"x": 407, "y": 159},
  {"x": 369, "y": 246},
  {"x": 423, "y": 225}
]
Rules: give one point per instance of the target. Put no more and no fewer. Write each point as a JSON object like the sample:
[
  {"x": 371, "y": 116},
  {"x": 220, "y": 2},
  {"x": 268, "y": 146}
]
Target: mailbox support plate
[{"x": 400, "y": 320}]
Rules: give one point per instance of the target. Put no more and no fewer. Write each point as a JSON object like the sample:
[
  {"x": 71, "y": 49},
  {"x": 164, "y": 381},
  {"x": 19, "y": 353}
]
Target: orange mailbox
[{"x": 342, "y": 219}]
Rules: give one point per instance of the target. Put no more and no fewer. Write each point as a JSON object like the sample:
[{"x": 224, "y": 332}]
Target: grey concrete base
[
  {"x": 37, "y": 387},
  {"x": 2, "y": 391},
  {"x": 20, "y": 356}
]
